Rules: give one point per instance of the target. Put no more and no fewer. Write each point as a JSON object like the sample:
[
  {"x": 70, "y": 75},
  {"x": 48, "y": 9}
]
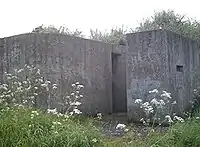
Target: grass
[
  {"x": 185, "y": 134},
  {"x": 18, "y": 129},
  {"x": 182, "y": 135},
  {"x": 22, "y": 127}
]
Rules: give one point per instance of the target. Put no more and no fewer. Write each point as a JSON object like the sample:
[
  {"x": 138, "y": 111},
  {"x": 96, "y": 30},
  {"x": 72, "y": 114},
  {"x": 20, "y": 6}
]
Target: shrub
[{"x": 157, "y": 107}]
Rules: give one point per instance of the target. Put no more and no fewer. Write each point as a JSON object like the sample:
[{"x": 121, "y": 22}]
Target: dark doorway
[{"x": 119, "y": 101}]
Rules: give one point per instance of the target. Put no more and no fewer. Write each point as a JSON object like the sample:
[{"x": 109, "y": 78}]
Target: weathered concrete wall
[
  {"x": 114, "y": 76},
  {"x": 65, "y": 59},
  {"x": 147, "y": 67},
  {"x": 152, "y": 63},
  {"x": 182, "y": 52}
]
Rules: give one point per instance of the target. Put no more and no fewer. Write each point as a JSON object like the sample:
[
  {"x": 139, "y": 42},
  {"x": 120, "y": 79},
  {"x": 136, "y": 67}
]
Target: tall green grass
[
  {"x": 19, "y": 129},
  {"x": 22, "y": 127}
]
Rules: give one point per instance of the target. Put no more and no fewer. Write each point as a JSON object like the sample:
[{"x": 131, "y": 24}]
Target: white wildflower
[
  {"x": 153, "y": 91},
  {"x": 80, "y": 86},
  {"x": 77, "y": 111},
  {"x": 142, "y": 119},
  {"x": 162, "y": 102},
  {"x": 53, "y": 111},
  {"x": 166, "y": 94},
  {"x": 138, "y": 101},
  {"x": 35, "y": 112},
  {"x": 154, "y": 102},
  {"x": 38, "y": 71},
  {"x": 44, "y": 85},
  {"x": 174, "y": 102},
  {"x": 147, "y": 107},
  {"x": 40, "y": 80},
  {"x": 120, "y": 126},
  {"x": 35, "y": 94},
  {"x": 126, "y": 130},
  {"x": 73, "y": 85},
  {"x": 179, "y": 119},
  {"x": 71, "y": 113},
  {"x": 94, "y": 140},
  {"x": 54, "y": 86},
  {"x": 25, "y": 82},
  {"x": 169, "y": 119},
  {"x": 19, "y": 83},
  {"x": 60, "y": 114},
  {"x": 99, "y": 115},
  {"x": 24, "y": 101},
  {"x": 32, "y": 97},
  {"x": 29, "y": 87},
  {"x": 75, "y": 104},
  {"x": 9, "y": 78},
  {"x": 20, "y": 70},
  {"x": 32, "y": 115}
]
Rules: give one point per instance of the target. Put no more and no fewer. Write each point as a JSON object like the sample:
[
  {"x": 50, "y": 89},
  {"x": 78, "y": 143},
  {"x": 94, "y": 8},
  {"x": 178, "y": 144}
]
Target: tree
[
  {"x": 171, "y": 21},
  {"x": 115, "y": 36},
  {"x": 61, "y": 30},
  {"x": 168, "y": 20}
]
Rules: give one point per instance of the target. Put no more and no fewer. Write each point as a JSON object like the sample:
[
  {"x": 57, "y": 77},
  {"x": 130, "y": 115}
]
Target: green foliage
[
  {"x": 61, "y": 30},
  {"x": 168, "y": 20},
  {"x": 181, "y": 135},
  {"x": 22, "y": 127},
  {"x": 186, "y": 134},
  {"x": 171, "y": 21},
  {"x": 115, "y": 36}
]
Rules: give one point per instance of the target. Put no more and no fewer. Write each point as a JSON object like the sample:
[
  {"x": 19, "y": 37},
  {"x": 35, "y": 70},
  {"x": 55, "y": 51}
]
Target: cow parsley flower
[
  {"x": 153, "y": 91},
  {"x": 53, "y": 111},
  {"x": 174, "y": 102},
  {"x": 54, "y": 86},
  {"x": 154, "y": 102},
  {"x": 166, "y": 94},
  {"x": 99, "y": 115},
  {"x": 179, "y": 119},
  {"x": 94, "y": 140},
  {"x": 75, "y": 103},
  {"x": 77, "y": 111},
  {"x": 120, "y": 126},
  {"x": 169, "y": 119},
  {"x": 138, "y": 101}
]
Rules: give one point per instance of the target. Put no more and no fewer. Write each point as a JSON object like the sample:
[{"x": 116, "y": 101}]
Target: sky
[{"x": 21, "y": 16}]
